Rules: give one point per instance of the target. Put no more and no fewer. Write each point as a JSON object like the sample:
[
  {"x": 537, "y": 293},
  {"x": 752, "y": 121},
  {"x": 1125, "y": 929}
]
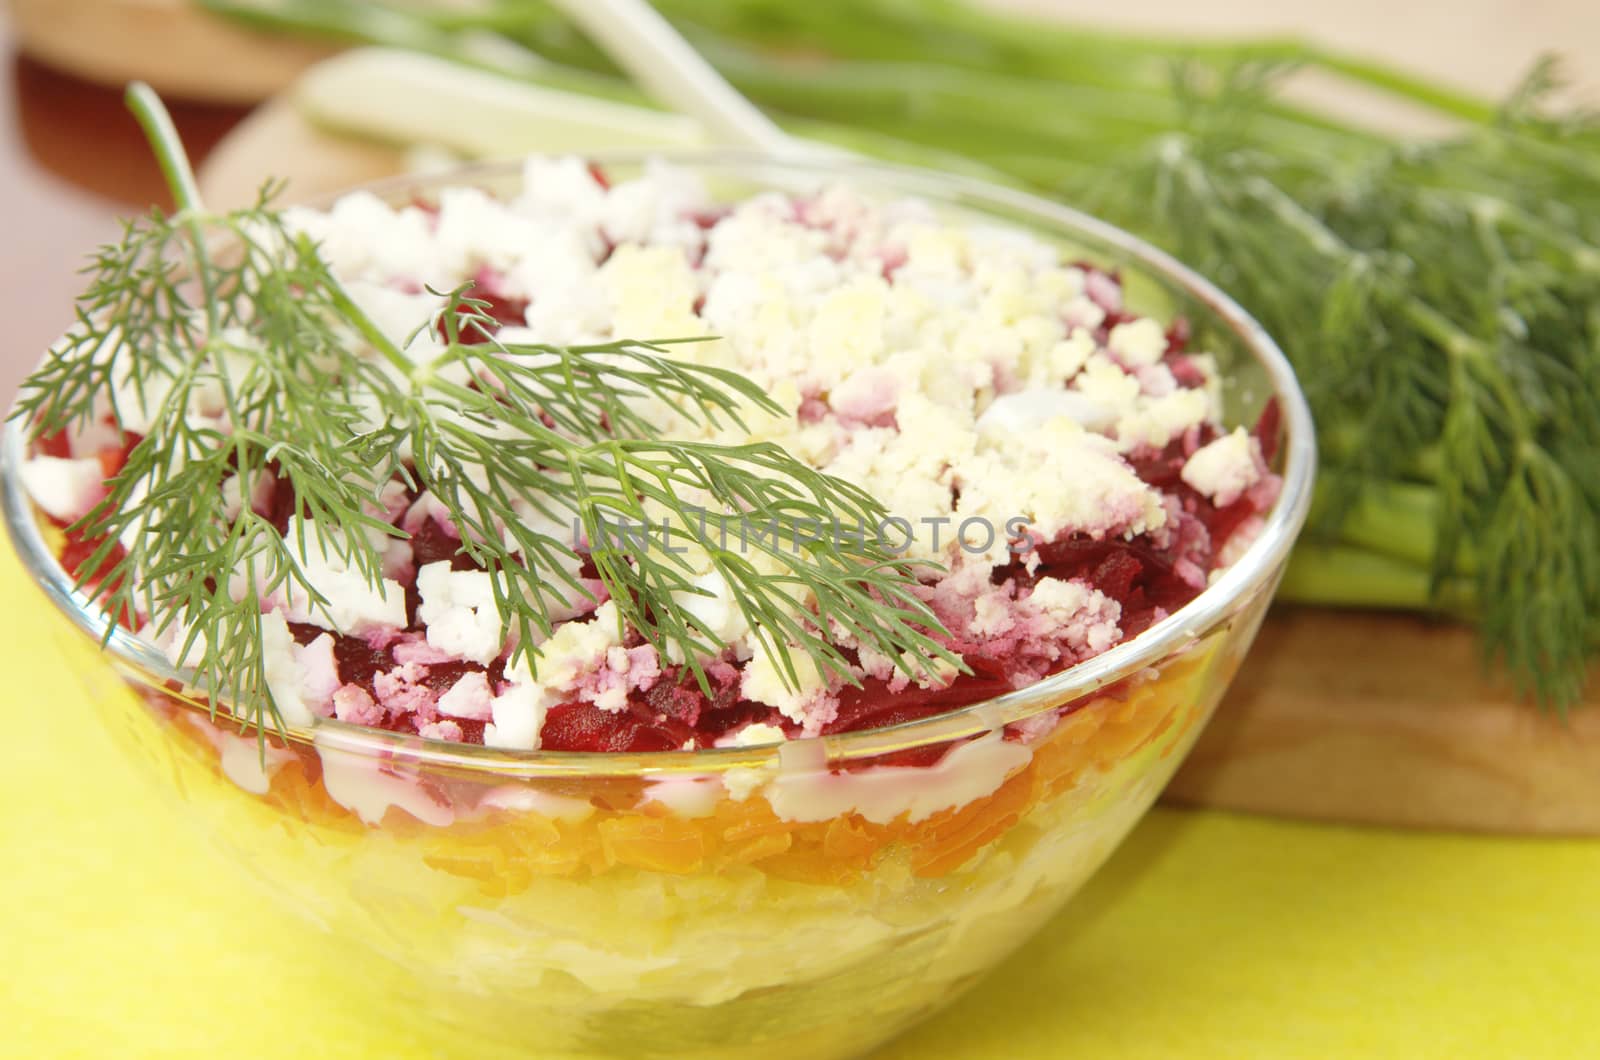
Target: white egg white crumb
[{"x": 950, "y": 369}]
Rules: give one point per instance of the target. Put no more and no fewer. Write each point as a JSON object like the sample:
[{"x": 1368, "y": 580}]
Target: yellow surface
[{"x": 1208, "y": 935}]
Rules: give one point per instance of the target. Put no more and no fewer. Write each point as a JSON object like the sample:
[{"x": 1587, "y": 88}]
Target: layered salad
[{"x": 1051, "y": 465}]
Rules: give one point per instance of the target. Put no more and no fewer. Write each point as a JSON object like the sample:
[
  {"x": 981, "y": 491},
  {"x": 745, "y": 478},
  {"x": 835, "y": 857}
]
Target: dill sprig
[
  {"x": 1441, "y": 304},
  {"x": 248, "y": 363},
  {"x": 776, "y": 531}
]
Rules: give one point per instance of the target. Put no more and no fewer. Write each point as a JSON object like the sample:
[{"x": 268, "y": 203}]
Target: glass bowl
[{"x": 804, "y": 900}]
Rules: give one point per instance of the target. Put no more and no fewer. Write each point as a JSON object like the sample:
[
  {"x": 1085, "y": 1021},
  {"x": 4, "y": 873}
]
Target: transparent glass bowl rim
[{"x": 1250, "y": 574}]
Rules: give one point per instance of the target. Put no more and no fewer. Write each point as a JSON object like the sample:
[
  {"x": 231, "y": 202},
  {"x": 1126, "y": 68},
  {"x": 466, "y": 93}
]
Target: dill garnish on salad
[{"x": 233, "y": 360}]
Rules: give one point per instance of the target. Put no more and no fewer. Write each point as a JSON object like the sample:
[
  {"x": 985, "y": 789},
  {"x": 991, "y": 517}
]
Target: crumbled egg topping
[{"x": 951, "y": 369}]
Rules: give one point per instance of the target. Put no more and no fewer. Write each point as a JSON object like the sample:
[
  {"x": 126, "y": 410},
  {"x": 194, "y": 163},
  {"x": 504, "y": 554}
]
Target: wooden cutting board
[
  {"x": 1339, "y": 716},
  {"x": 1391, "y": 719}
]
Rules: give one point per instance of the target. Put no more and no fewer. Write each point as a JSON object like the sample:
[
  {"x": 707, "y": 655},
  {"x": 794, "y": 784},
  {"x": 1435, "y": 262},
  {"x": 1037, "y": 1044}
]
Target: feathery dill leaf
[
  {"x": 1439, "y": 302},
  {"x": 228, "y": 342}
]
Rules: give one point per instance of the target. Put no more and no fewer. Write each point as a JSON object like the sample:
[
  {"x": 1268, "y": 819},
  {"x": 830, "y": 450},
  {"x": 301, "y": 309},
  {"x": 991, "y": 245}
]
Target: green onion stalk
[{"x": 1440, "y": 299}]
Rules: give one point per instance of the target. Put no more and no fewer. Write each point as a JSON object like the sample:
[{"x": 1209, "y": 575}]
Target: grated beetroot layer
[
  {"x": 1148, "y": 576},
  {"x": 1139, "y": 575}
]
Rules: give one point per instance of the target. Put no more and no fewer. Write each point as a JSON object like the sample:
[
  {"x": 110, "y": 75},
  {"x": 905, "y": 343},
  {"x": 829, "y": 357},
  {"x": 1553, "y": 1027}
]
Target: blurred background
[
  {"x": 1480, "y": 45},
  {"x": 72, "y": 160}
]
